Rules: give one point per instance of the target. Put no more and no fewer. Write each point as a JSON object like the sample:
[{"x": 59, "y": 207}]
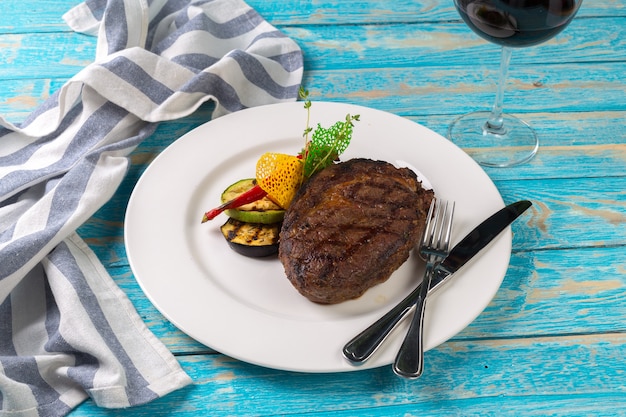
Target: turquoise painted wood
[{"x": 553, "y": 339}]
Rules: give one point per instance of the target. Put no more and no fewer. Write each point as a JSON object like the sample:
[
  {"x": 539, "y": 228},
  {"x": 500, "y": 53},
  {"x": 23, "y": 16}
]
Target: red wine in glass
[
  {"x": 517, "y": 23},
  {"x": 501, "y": 140}
]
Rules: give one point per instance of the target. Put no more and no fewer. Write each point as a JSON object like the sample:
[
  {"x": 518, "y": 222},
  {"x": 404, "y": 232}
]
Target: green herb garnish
[{"x": 326, "y": 144}]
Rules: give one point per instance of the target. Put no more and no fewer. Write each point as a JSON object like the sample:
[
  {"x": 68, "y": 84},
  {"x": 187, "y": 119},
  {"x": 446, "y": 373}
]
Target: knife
[{"x": 362, "y": 346}]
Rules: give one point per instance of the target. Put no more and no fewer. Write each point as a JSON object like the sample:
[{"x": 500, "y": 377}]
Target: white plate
[{"x": 246, "y": 308}]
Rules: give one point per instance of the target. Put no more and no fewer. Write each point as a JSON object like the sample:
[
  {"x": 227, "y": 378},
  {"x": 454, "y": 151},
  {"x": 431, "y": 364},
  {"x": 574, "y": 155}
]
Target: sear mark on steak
[{"x": 350, "y": 227}]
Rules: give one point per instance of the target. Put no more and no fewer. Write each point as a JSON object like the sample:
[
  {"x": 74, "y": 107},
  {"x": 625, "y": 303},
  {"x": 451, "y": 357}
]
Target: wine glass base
[{"x": 513, "y": 144}]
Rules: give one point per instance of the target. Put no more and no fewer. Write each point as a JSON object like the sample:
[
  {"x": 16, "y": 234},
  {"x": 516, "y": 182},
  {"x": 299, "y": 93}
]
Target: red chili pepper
[{"x": 253, "y": 194}]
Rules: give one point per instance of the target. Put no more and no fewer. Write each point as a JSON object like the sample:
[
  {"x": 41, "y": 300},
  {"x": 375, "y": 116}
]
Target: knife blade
[
  {"x": 476, "y": 240},
  {"x": 363, "y": 345}
]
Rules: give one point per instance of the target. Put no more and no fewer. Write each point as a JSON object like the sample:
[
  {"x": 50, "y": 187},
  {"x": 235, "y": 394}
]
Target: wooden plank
[
  {"x": 556, "y": 292},
  {"x": 555, "y": 376},
  {"x": 427, "y": 91},
  {"x": 565, "y": 210},
  {"x": 18, "y": 98},
  {"x": 328, "y": 12},
  {"x": 45, "y": 15},
  {"x": 559, "y": 131},
  {"x": 29, "y": 16},
  {"x": 574, "y": 142},
  {"x": 419, "y": 45},
  {"x": 430, "y": 91},
  {"x": 49, "y": 55},
  {"x": 363, "y": 50}
]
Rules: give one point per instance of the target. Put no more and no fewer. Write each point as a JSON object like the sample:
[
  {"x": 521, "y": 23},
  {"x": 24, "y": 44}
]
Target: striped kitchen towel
[{"x": 67, "y": 332}]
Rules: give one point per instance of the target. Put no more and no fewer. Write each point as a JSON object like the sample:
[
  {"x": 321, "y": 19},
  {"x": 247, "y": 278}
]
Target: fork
[
  {"x": 362, "y": 346},
  {"x": 434, "y": 247}
]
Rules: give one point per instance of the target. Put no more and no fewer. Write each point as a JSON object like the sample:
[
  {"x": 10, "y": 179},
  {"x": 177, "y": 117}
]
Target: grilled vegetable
[
  {"x": 248, "y": 208},
  {"x": 251, "y": 239},
  {"x": 253, "y": 194}
]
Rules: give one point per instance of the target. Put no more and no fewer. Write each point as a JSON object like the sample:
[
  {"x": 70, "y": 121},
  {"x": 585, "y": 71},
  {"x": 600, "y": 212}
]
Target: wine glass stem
[{"x": 495, "y": 124}]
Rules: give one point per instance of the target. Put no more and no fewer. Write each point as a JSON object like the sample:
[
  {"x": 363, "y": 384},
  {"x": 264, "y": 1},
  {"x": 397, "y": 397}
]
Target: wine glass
[{"x": 505, "y": 140}]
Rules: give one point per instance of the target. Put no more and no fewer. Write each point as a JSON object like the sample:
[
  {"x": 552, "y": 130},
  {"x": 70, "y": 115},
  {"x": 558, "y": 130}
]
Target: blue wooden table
[{"x": 552, "y": 341}]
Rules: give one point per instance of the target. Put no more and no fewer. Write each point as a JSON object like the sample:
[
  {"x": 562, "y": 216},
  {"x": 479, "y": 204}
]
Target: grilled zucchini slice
[
  {"x": 251, "y": 239},
  {"x": 261, "y": 211}
]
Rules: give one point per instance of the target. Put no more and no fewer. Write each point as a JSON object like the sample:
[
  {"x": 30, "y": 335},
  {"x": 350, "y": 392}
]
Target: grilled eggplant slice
[{"x": 251, "y": 239}]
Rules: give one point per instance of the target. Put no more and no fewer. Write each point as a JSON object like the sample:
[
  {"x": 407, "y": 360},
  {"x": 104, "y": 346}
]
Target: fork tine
[
  {"x": 426, "y": 236},
  {"x": 449, "y": 228},
  {"x": 440, "y": 219},
  {"x": 437, "y": 224}
]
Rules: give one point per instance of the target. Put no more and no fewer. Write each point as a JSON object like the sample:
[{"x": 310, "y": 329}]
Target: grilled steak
[{"x": 349, "y": 227}]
